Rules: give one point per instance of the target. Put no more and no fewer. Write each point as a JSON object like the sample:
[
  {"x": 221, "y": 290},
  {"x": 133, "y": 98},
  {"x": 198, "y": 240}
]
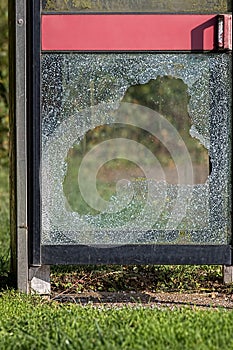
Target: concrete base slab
[
  {"x": 227, "y": 274},
  {"x": 39, "y": 280}
]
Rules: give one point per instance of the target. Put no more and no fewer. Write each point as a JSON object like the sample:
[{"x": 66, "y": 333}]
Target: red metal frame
[
  {"x": 225, "y": 32},
  {"x": 129, "y": 32}
]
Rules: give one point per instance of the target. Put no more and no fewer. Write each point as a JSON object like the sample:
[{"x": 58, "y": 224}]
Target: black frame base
[{"x": 136, "y": 254}]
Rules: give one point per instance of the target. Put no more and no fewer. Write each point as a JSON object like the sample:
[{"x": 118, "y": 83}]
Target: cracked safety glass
[{"x": 135, "y": 149}]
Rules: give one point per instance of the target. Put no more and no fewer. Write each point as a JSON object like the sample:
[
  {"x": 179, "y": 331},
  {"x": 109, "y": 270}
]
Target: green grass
[{"x": 31, "y": 323}]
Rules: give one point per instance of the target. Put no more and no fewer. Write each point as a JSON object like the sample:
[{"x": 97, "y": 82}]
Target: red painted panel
[{"x": 128, "y": 32}]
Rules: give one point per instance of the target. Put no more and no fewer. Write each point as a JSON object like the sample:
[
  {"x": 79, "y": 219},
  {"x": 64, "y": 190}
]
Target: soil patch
[{"x": 149, "y": 299}]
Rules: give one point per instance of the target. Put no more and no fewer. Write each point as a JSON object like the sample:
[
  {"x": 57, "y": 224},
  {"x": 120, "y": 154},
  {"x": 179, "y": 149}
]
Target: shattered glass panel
[
  {"x": 135, "y": 148},
  {"x": 161, "y": 6}
]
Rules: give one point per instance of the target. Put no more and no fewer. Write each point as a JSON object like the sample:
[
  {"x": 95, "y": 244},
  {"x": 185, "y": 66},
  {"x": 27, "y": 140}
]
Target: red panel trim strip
[
  {"x": 227, "y": 31},
  {"x": 129, "y": 32}
]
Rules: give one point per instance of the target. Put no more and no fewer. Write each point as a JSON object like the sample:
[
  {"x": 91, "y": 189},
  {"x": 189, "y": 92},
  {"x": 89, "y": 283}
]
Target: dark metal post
[
  {"x": 36, "y": 278},
  {"x": 18, "y": 152}
]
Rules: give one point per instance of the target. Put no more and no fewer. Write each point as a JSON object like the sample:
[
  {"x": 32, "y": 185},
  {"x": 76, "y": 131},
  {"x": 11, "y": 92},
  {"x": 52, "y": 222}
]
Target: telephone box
[{"x": 120, "y": 134}]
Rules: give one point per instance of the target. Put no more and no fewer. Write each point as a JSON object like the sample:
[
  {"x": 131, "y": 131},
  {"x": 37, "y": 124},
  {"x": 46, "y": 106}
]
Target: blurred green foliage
[
  {"x": 4, "y": 138},
  {"x": 138, "y": 5},
  {"x": 4, "y": 220},
  {"x": 4, "y": 117}
]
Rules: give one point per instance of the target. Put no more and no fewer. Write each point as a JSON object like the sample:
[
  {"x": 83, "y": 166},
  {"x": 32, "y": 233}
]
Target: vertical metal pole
[
  {"x": 34, "y": 129},
  {"x": 35, "y": 279},
  {"x": 39, "y": 275},
  {"x": 18, "y": 146}
]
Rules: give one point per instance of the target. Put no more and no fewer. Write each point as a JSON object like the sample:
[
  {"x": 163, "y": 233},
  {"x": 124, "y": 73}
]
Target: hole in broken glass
[{"x": 169, "y": 97}]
